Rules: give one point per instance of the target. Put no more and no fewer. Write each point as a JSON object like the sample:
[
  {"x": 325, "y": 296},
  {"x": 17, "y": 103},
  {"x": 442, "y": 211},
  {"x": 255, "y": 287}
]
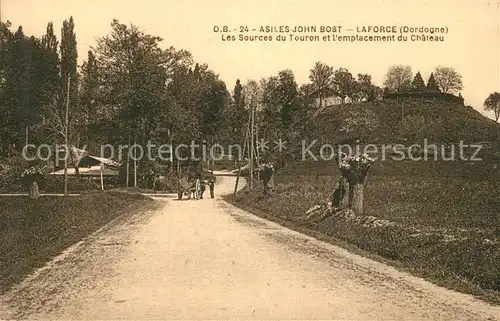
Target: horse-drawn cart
[{"x": 190, "y": 189}]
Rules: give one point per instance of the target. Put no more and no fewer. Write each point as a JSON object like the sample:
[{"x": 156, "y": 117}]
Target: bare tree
[
  {"x": 398, "y": 77},
  {"x": 448, "y": 80}
]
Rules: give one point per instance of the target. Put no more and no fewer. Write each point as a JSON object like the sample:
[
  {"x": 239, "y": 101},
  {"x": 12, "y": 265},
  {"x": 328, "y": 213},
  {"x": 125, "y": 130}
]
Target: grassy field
[
  {"x": 445, "y": 214},
  {"x": 458, "y": 245},
  {"x": 32, "y": 232}
]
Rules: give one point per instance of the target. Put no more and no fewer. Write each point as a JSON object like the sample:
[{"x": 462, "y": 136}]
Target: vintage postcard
[{"x": 237, "y": 160}]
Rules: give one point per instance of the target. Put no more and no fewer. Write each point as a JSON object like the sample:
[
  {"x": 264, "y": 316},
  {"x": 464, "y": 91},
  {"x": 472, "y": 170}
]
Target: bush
[
  {"x": 433, "y": 95},
  {"x": 17, "y": 174},
  {"x": 55, "y": 184}
]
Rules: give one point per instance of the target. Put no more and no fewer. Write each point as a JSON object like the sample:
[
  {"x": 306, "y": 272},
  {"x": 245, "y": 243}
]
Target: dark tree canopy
[
  {"x": 432, "y": 84},
  {"x": 418, "y": 83}
]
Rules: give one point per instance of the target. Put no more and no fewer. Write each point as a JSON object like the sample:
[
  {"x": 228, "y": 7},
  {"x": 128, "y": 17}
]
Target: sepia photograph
[{"x": 250, "y": 160}]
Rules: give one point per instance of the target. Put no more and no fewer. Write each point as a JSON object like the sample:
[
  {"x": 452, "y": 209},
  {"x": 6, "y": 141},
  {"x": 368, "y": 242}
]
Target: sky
[{"x": 471, "y": 46}]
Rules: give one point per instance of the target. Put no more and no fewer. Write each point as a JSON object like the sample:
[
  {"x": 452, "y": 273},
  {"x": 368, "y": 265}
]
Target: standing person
[
  {"x": 266, "y": 171},
  {"x": 203, "y": 184},
  {"x": 211, "y": 184},
  {"x": 207, "y": 179}
]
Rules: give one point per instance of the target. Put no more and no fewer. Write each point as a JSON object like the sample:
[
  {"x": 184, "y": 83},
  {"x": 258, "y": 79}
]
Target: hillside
[
  {"x": 437, "y": 219},
  {"x": 405, "y": 120}
]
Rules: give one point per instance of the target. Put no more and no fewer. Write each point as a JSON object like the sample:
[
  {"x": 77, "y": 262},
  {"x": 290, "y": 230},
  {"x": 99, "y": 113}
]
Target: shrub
[{"x": 55, "y": 184}]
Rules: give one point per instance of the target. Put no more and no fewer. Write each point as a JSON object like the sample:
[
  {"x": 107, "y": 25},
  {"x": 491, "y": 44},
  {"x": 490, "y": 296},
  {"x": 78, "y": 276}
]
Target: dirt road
[{"x": 209, "y": 260}]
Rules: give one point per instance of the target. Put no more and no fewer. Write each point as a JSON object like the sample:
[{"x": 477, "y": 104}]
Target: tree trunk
[
  {"x": 171, "y": 154},
  {"x": 356, "y": 197},
  {"x": 56, "y": 157},
  {"x": 102, "y": 178},
  {"x": 212, "y": 160},
  {"x": 75, "y": 166},
  {"x": 128, "y": 163},
  {"x": 135, "y": 161}
]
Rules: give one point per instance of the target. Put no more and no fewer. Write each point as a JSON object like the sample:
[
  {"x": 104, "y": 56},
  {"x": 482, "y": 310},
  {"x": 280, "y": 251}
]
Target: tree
[
  {"x": 321, "y": 77},
  {"x": 493, "y": 103},
  {"x": 270, "y": 116},
  {"x": 51, "y": 64},
  {"x": 375, "y": 93},
  {"x": 253, "y": 100},
  {"x": 214, "y": 101},
  {"x": 238, "y": 116},
  {"x": 398, "y": 78},
  {"x": 287, "y": 92},
  {"x": 365, "y": 88},
  {"x": 418, "y": 83},
  {"x": 432, "y": 84},
  {"x": 253, "y": 95},
  {"x": 448, "y": 79},
  {"x": 133, "y": 75},
  {"x": 355, "y": 168},
  {"x": 307, "y": 92},
  {"x": 344, "y": 83},
  {"x": 238, "y": 95},
  {"x": 89, "y": 92},
  {"x": 22, "y": 85},
  {"x": 69, "y": 58}
]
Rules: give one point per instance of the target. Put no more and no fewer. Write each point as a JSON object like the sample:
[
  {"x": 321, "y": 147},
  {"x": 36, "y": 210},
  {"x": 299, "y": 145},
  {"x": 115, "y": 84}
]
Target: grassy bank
[
  {"x": 447, "y": 220},
  {"x": 32, "y": 232}
]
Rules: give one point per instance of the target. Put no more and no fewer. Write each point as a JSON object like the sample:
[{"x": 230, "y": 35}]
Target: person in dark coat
[
  {"x": 206, "y": 179},
  {"x": 266, "y": 171},
  {"x": 203, "y": 184},
  {"x": 211, "y": 184}
]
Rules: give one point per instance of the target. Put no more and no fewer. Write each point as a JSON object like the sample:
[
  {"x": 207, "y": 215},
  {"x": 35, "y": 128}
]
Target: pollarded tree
[
  {"x": 418, "y": 82},
  {"x": 432, "y": 84},
  {"x": 355, "y": 168},
  {"x": 493, "y": 103}
]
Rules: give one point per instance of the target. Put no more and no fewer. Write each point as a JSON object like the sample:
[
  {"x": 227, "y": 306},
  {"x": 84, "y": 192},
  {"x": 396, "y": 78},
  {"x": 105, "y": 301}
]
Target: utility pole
[
  {"x": 252, "y": 136},
  {"x": 246, "y": 143},
  {"x": 257, "y": 158},
  {"x": 66, "y": 139},
  {"x": 135, "y": 160},
  {"x": 239, "y": 161},
  {"x": 212, "y": 161},
  {"x": 128, "y": 162}
]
